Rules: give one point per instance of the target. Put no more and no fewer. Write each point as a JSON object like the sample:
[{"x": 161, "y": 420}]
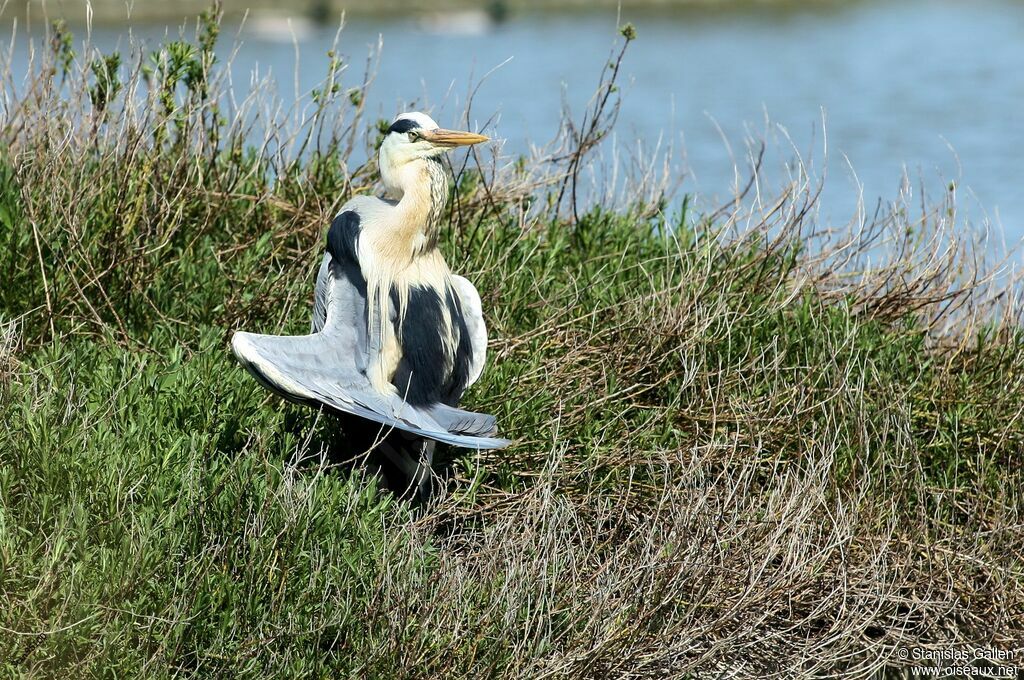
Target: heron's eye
[{"x": 413, "y": 135}]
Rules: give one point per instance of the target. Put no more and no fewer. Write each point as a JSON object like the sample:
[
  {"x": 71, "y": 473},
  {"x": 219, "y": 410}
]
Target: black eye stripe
[{"x": 403, "y": 125}]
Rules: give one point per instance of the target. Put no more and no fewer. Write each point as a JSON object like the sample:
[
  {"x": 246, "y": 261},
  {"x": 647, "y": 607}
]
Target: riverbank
[{"x": 772, "y": 449}]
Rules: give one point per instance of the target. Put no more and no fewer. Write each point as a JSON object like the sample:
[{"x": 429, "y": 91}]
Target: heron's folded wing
[
  {"x": 309, "y": 369},
  {"x": 340, "y": 259},
  {"x": 472, "y": 312},
  {"x": 320, "y": 293}
]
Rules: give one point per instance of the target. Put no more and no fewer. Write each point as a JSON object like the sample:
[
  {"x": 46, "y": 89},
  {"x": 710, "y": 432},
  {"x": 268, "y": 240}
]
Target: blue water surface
[{"x": 930, "y": 88}]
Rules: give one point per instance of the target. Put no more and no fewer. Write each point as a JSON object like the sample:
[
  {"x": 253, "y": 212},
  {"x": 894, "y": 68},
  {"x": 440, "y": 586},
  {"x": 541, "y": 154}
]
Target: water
[{"x": 931, "y": 87}]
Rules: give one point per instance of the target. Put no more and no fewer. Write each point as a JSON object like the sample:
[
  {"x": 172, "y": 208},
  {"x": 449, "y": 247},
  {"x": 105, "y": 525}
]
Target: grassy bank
[{"x": 737, "y": 449}]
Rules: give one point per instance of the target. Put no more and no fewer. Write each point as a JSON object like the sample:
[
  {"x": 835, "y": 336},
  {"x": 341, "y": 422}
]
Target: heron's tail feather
[{"x": 458, "y": 421}]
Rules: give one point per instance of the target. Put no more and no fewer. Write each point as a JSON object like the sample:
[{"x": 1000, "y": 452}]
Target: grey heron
[{"x": 396, "y": 337}]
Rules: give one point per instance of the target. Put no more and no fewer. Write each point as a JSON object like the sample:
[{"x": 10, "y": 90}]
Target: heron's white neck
[
  {"x": 421, "y": 187},
  {"x": 405, "y": 254}
]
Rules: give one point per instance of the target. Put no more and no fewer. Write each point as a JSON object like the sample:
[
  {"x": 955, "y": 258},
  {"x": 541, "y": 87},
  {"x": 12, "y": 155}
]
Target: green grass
[{"x": 730, "y": 454}]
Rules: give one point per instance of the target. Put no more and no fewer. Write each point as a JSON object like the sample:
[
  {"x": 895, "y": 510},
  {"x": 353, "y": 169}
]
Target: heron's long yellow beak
[{"x": 443, "y": 137}]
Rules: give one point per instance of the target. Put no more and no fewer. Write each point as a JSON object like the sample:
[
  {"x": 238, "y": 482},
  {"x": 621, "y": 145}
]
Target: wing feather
[
  {"x": 304, "y": 369},
  {"x": 472, "y": 312},
  {"x": 320, "y": 294}
]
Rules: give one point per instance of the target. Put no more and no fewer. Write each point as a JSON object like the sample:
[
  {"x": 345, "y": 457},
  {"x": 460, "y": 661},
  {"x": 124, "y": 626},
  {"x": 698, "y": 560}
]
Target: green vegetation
[{"x": 735, "y": 450}]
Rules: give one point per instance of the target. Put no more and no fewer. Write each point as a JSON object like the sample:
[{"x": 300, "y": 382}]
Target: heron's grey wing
[
  {"x": 472, "y": 312},
  {"x": 308, "y": 369}
]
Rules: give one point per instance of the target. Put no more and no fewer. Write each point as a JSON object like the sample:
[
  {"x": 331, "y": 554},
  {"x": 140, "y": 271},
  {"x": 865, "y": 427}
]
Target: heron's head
[{"x": 415, "y": 137}]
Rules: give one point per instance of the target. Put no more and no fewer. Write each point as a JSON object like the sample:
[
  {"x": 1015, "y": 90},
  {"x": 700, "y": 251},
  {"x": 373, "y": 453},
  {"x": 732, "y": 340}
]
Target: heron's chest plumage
[{"x": 415, "y": 314}]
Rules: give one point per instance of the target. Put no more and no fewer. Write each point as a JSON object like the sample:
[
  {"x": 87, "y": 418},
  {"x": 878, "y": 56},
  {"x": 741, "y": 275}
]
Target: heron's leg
[
  {"x": 427, "y": 483},
  {"x": 412, "y": 458},
  {"x": 402, "y": 463}
]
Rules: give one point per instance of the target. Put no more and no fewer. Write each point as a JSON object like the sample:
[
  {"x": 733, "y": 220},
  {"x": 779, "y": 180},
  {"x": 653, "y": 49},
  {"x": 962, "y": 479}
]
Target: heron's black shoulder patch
[
  {"x": 403, "y": 125},
  {"x": 342, "y": 236}
]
